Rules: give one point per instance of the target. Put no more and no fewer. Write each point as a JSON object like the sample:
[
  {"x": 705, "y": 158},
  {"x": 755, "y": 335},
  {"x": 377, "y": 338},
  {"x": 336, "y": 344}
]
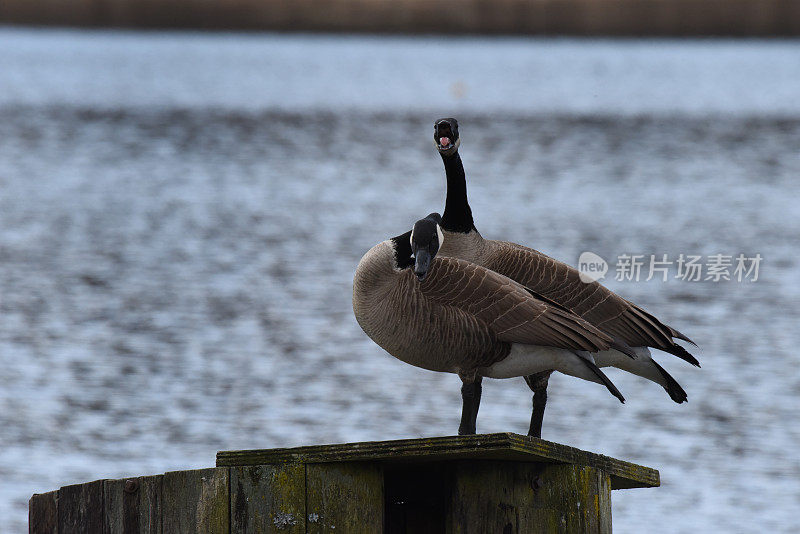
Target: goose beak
[
  {"x": 422, "y": 262},
  {"x": 445, "y": 137}
]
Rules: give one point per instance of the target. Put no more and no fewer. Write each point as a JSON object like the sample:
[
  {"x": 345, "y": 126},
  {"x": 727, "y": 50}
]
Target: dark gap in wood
[{"x": 416, "y": 498}]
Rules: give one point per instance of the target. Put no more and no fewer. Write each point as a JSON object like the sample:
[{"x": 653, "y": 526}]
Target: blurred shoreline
[
  {"x": 740, "y": 18},
  {"x": 498, "y": 77}
]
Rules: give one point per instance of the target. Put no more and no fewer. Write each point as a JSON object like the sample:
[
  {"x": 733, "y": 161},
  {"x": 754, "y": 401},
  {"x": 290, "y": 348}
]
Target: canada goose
[
  {"x": 449, "y": 315},
  {"x": 556, "y": 283}
]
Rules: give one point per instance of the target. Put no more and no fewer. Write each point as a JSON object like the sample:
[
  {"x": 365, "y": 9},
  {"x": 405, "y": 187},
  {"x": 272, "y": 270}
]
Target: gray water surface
[{"x": 181, "y": 215}]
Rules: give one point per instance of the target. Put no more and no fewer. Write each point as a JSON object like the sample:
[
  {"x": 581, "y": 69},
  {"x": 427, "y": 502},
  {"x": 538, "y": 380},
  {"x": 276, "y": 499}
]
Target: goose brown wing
[
  {"x": 558, "y": 282},
  {"x": 511, "y": 313}
]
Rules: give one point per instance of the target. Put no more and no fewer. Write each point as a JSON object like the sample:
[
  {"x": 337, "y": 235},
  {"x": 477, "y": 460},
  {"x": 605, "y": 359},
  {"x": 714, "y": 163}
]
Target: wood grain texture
[
  {"x": 150, "y": 504},
  {"x": 131, "y": 505},
  {"x": 492, "y": 496},
  {"x": 80, "y": 507},
  {"x": 43, "y": 513},
  {"x": 344, "y": 497},
  {"x": 457, "y": 484},
  {"x": 196, "y": 501},
  {"x": 503, "y": 446},
  {"x": 114, "y": 508},
  {"x": 268, "y": 498}
]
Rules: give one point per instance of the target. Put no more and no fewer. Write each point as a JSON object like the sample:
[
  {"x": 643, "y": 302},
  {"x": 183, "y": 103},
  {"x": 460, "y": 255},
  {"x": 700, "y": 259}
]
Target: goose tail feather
[
  {"x": 675, "y": 391},
  {"x": 602, "y": 376}
]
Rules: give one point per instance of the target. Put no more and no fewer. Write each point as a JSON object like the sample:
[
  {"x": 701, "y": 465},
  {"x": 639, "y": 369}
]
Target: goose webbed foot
[
  {"x": 471, "y": 401},
  {"x": 538, "y": 384}
]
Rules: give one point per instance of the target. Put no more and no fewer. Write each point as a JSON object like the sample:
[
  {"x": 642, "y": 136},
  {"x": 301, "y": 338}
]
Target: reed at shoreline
[{"x": 743, "y": 18}]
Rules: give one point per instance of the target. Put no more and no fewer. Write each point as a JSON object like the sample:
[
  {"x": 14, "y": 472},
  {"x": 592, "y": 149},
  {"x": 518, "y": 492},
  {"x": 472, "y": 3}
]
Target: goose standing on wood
[
  {"x": 449, "y": 315},
  {"x": 556, "y": 283}
]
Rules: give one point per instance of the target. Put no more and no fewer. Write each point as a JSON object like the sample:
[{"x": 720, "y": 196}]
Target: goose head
[
  {"x": 445, "y": 136},
  {"x": 426, "y": 238}
]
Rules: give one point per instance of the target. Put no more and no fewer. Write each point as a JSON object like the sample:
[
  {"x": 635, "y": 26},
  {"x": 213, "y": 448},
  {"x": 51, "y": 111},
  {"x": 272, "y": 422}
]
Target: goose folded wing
[
  {"x": 552, "y": 280},
  {"x": 510, "y": 312}
]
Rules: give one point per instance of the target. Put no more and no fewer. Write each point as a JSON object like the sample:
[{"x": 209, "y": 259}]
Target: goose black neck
[
  {"x": 402, "y": 250},
  {"x": 457, "y": 215}
]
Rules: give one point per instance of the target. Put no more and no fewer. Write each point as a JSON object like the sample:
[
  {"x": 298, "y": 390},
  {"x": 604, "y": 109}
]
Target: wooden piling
[{"x": 458, "y": 484}]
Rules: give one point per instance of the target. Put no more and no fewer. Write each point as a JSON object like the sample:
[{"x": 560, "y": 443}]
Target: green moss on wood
[
  {"x": 344, "y": 497},
  {"x": 503, "y": 446},
  {"x": 196, "y": 501},
  {"x": 486, "y": 483},
  {"x": 516, "y": 498},
  {"x": 268, "y": 498}
]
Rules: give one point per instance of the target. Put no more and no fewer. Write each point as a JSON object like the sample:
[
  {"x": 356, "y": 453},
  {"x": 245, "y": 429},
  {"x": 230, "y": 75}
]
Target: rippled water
[{"x": 181, "y": 215}]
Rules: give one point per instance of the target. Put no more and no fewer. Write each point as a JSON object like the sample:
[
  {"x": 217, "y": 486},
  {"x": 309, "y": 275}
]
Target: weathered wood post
[{"x": 504, "y": 483}]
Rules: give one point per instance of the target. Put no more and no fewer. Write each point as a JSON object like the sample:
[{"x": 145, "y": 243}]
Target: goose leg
[
  {"x": 471, "y": 401},
  {"x": 538, "y": 384}
]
